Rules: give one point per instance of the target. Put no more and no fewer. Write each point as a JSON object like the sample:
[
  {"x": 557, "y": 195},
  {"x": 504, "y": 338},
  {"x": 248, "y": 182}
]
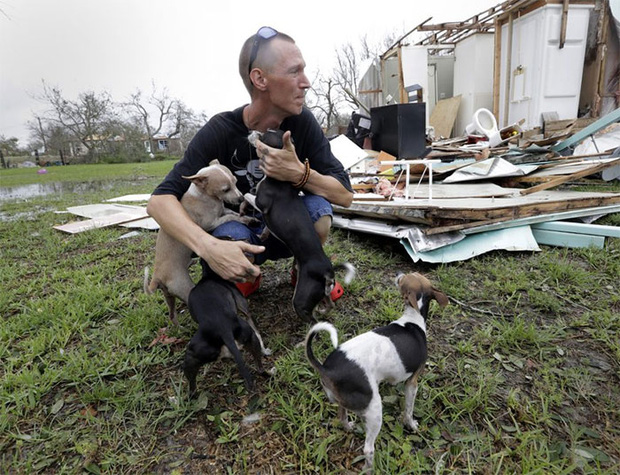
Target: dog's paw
[
  {"x": 347, "y": 425},
  {"x": 271, "y": 372},
  {"x": 411, "y": 423},
  {"x": 267, "y": 352},
  {"x": 368, "y": 468},
  {"x": 249, "y": 221}
]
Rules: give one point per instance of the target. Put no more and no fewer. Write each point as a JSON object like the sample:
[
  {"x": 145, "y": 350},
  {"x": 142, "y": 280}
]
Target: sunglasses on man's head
[{"x": 264, "y": 33}]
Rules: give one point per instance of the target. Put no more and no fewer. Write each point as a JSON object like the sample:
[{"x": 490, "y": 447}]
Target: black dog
[
  {"x": 287, "y": 218},
  {"x": 215, "y": 304}
]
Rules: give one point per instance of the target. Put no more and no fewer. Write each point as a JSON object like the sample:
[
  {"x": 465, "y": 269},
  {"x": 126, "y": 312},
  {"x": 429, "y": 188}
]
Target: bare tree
[
  {"x": 336, "y": 95},
  {"x": 185, "y": 123},
  {"x": 160, "y": 113},
  {"x": 327, "y": 101},
  {"x": 87, "y": 119},
  {"x": 38, "y": 135},
  {"x": 9, "y": 145},
  {"x": 156, "y": 111}
]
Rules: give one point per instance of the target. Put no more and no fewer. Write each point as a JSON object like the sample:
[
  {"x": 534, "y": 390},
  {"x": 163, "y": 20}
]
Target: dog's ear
[
  {"x": 200, "y": 181},
  {"x": 215, "y": 161},
  {"x": 440, "y": 297},
  {"x": 411, "y": 297}
]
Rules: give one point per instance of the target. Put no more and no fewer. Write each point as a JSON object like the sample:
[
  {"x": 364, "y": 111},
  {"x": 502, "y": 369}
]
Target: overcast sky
[{"x": 190, "y": 47}]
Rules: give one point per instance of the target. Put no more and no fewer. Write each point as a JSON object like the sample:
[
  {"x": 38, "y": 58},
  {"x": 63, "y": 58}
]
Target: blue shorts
[{"x": 317, "y": 207}]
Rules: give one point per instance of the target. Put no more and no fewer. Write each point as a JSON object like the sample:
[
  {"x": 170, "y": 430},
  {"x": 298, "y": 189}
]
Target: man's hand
[
  {"x": 283, "y": 165},
  {"x": 229, "y": 259},
  {"x": 226, "y": 258}
]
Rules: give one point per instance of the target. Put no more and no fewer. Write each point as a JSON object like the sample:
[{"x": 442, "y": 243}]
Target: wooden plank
[
  {"x": 465, "y": 204},
  {"x": 563, "y": 23},
  {"x": 101, "y": 222},
  {"x": 385, "y": 214},
  {"x": 521, "y": 211},
  {"x": 368, "y": 197},
  {"x": 444, "y": 115},
  {"x": 500, "y": 223},
  {"x": 563, "y": 179},
  {"x": 460, "y": 190},
  {"x": 601, "y": 56},
  {"x": 497, "y": 58},
  {"x": 438, "y": 211},
  {"x": 587, "y": 131},
  {"x": 554, "y": 127},
  {"x": 567, "y": 167},
  {"x": 363, "y": 186},
  {"x": 508, "y": 72},
  {"x": 556, "y": 238}
]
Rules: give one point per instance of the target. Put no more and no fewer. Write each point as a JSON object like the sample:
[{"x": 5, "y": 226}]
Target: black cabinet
[{"x": 399, "y": 129}]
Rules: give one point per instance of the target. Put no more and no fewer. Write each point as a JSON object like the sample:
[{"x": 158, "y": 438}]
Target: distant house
[
  {"x": 110, "y": 144},
  {"x": 99, "y": 143},
  {"x": 163, "y": 144}
]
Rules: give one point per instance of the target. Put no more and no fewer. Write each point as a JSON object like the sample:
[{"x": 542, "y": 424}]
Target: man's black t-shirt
[{"x": 225, "y": 138}]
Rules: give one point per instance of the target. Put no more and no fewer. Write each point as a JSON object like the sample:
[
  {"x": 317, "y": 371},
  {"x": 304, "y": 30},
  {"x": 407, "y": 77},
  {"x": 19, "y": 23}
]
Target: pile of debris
[
  {"x": 463, "y": 199},
  {"x": 467, "y": 197}
]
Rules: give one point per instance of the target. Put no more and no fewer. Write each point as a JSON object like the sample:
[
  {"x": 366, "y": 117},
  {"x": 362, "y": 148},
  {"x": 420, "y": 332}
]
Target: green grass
[
  {"x": 85, "y": 173},
  {"x": 522, "y": 377}
]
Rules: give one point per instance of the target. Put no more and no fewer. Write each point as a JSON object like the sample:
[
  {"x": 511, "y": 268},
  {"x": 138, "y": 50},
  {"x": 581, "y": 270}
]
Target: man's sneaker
[{"x": 248, "y": 288}]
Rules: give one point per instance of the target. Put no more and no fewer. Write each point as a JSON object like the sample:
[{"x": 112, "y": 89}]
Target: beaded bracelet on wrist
[{"x": 304, "y": 179}]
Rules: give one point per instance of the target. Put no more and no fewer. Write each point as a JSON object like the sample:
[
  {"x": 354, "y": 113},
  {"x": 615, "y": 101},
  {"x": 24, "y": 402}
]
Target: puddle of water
[
  {"x": 24, "y": 192},
  {"x": 25, "y": 216}
]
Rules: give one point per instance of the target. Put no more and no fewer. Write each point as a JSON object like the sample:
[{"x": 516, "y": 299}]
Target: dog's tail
[
  {"x": 149, "y": 287},
  {"x": 350, "y": 271},
  {"x": 145, "y": 284},
  {"x": 321, "y": 326}
]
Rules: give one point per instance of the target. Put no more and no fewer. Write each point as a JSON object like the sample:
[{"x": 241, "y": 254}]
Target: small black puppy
[
  {"x": 287, "y": 218},
  {"x": 215, "y": 304}
]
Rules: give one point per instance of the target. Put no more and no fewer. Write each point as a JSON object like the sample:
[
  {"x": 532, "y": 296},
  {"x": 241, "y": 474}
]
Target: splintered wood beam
[
  {"x": 472, "y": 227},
  {"x": 563, "y": 179},
  {"x": 564, "y": 23}
]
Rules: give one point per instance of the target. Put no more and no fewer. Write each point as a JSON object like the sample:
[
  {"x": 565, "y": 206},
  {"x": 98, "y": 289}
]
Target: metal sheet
[{"x": 515, "y": 239}]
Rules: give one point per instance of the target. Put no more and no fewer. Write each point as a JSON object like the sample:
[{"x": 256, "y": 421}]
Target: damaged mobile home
[{"x": 471, "y": 133}]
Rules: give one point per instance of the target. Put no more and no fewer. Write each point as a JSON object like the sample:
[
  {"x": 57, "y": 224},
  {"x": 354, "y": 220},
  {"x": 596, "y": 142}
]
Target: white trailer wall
[
  {"x": 473, "y": 77},
  {"x": 542, "y": 77}
]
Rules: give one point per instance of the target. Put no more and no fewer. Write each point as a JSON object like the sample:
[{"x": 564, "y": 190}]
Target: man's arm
[
  {"x": 329, "y": 188},
  {"x": 284, "y": 165},
  {"x": 226, "y": 258}
]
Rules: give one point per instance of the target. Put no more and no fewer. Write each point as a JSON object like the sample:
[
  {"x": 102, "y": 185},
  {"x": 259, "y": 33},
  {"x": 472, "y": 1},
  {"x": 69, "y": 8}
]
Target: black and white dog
[
  {"x": 396, "y": 352},
  {"x": 287, "y": 218}
]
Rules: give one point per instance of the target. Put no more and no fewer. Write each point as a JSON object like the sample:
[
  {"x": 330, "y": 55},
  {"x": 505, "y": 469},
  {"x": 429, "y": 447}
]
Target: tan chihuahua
[{"x": 204, "y": 200}]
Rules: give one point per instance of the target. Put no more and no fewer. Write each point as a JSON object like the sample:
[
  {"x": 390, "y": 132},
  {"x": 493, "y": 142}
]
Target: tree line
[{"x": 93, "y": 125}]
